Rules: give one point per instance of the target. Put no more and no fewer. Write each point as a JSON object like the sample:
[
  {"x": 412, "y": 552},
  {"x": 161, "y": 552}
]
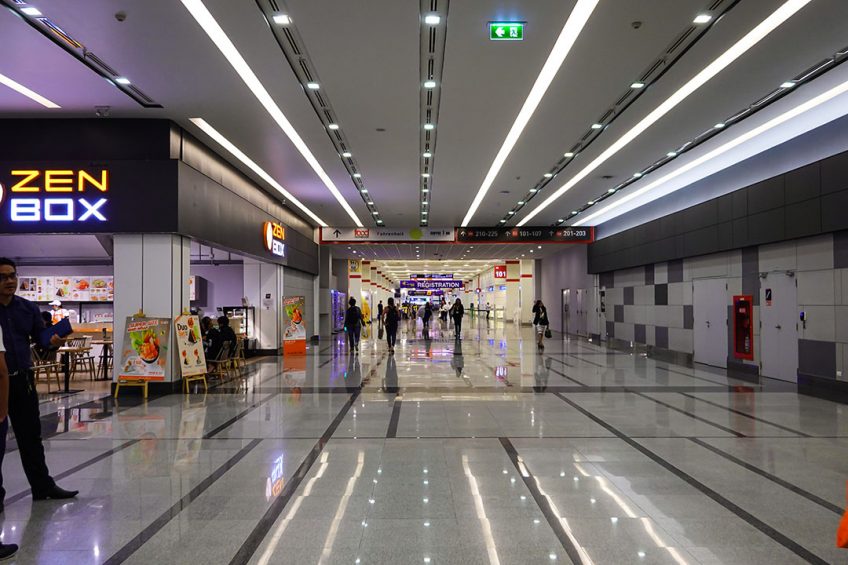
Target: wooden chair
[
  {"x": 45, "y": 363},
  {"x": 220, "y": 366},
  {"x": 238, "y": 360},
  {"x": 82, "y": 361}
]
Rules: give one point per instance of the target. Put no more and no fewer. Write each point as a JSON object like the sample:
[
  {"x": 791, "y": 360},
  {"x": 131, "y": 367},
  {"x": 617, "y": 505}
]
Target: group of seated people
[{"x": 215, "y": 337}]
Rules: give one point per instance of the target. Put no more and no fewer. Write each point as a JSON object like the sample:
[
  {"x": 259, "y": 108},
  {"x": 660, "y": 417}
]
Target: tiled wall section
[{"x": 653, "y": 304}]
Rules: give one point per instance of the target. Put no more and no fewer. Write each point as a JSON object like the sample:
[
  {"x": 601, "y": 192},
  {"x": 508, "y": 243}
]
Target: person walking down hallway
[
  {"x": 391, "y": 318},
  {"x": 353, "y": 325},
  {"x": 488, "y": 309},
  {"x": 380, "y": 314},
  {"x": 540, "y": 323},
  {"x": 457, "y": 312},
  {"x": 21, "y": 323}
]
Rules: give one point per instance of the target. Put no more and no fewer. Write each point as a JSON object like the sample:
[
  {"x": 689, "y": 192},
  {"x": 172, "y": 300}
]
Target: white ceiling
[{"x": 366, "y": 56}]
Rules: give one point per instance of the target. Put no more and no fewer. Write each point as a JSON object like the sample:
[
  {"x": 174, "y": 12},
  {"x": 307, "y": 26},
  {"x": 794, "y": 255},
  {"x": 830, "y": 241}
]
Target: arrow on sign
[
  {"x": 337, "y": 233},
  {"x": 499, "y": 31}
]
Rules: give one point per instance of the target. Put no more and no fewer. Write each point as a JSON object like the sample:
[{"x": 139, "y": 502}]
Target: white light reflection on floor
[
  {"x": 481, "y": 513},
  {"x": 334, "y": 527}
]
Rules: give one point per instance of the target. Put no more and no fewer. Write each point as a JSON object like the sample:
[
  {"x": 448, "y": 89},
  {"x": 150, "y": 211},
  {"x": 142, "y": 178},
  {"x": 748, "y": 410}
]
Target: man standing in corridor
[{"x": 22, "y": 325}]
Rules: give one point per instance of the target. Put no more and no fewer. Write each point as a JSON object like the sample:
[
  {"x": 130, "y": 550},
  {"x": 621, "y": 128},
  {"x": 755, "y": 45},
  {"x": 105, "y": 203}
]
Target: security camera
[
  {"x": 102, "y": 111},
  {"x": 121, "y": 16}
]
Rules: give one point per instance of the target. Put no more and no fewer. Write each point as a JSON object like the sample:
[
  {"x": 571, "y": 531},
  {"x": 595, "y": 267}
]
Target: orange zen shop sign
[
  {"x": 273, "y": 238},
  {"x": 56, "y": 195}
]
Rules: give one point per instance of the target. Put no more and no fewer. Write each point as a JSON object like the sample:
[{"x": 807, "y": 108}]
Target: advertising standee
[
  {"x": 190, "y": 346},
  {"x": 144, "y": 355},
  {"x": 294, "y": 326}
]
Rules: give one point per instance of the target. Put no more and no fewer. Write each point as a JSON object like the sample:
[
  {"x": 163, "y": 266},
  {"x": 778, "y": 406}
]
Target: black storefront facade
[{"x": 155, "y": 195}]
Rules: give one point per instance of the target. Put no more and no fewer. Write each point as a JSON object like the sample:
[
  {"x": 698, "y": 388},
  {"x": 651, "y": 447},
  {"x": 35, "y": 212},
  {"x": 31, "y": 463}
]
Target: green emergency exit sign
[{"x": 506, "y": 31}]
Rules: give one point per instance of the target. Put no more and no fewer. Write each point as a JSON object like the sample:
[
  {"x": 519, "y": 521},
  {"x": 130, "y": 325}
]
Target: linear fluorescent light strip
[
  {"x": 32, "y": 95},
  {"x": 250, "y": 164},
  {"x": 570, "y": 31},
  {"x": 786, "y": 11},
  {"x": 786, "y": 116},
  {"x": 203, "y": 17}
]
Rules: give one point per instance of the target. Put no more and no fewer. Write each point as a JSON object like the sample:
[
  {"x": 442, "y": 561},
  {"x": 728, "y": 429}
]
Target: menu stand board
[
  {"x": 144, "y": 354},
  {"x": 190, "y": 346},
  {"x": 294, "y": 326}
]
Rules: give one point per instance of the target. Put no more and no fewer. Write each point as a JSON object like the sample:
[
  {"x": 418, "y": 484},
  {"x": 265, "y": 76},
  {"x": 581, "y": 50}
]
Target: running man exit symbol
[{"x": 506, "y": 31}]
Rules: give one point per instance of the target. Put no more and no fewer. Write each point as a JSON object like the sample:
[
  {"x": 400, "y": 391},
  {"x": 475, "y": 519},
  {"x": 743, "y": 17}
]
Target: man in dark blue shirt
[{"x": 21, "y": 322}]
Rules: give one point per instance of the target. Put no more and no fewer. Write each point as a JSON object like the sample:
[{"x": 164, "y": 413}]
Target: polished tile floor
[{"x": 477, "y": 451}]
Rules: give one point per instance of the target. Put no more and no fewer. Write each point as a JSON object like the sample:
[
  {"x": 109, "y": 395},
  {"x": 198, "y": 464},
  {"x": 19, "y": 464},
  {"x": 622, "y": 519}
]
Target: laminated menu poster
[
  {"x": 144, "y": 354},
  {"x": 190, "y": 346},
  {"x": 27, "y": 287},
  {"x": 294, "y": 326},
  {"x": 102, "y": 289}
]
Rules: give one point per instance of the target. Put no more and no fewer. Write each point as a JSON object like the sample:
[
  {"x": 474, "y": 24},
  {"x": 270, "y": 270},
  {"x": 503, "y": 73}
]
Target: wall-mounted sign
[
  {"x": 545, "y": 234},
  {"x": 506, "y": 31},
  {"x": 273, "y": 238},
  {"x": 56, "y": 195},
  {"x": 354, "y": 267},
  {"x": 385, "y": 235},
  {"x": 420, "y": 284},
  {"x": 768, "y": 297},
  {"x": 490, "y": 289},
  {"x": 502, "y": 287},
  {"x": 500, "y": 271}
]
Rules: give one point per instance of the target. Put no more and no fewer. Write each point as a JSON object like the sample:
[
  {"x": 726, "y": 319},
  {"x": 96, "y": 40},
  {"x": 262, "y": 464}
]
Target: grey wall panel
[
  {"x": 766, "y": 195},
  {"x": 817, "y": 358},
  {"x": 840, "y": 253},
  {"x": 766, "y": 227},
  {"x": 834, "y": 173},
  {"x": 833, "y": 211},
  {"x": 803, "y": 184},
  {"x": 803, "y": 219}
]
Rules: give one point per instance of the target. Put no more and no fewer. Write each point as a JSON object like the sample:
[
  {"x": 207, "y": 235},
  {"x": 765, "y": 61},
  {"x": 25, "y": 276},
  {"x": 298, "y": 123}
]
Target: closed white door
[
  {"x": 581, "y": 318},
  {"x": 709, "y": 308},
  {"x": 779, "y": 327}
]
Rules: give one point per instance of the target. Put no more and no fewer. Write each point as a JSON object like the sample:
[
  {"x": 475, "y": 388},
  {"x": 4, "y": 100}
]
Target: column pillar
[
  {"x": 151, "y": 274},
  {"x": 528, "y": 289},
  {"x": 513, "y": 283},
  {"x": 325, "y": 272}
]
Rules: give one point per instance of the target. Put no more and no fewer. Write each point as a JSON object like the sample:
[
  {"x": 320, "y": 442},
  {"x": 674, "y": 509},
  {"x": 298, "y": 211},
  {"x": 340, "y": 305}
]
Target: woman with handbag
[{"x": 540, "y": 322}]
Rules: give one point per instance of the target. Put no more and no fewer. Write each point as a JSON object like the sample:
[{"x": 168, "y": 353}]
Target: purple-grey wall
[
  {"x": 224, "y": 286},
  {"x": 567, "y": 269}
]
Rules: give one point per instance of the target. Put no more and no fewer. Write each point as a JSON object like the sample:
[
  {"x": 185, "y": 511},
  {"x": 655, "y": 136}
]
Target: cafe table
[{"x": 66, "y": 351}]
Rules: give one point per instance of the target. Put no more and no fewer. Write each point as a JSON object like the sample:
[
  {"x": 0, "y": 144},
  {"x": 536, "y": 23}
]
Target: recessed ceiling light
[
  {"x": 424, "y": 213},
  {"x": 719, "y": 125},
  {"x": 281, "y": 19},
  {"x": 429, "y": 126},
  {"x": 31, "y": 11},
  {"x": 749, "y": 40},
  {"x": 567, "y": 37},
  {"x": 425, "y": 190},
  {"x": 429, "y": 84},
  {"x": 540, "y": 247},
  {"x": 574, "y": 212},
  {"x": 548, "y": 175},
  {"x": 568, "y": 155},
  {"x": 520, "y": 202},
  {"x": 637, "y": 85},
  {"x": 702, "y": 18},
  {"x": 597, "y": 126},
  {"x": 671, "y": 154},
  {"x": 561, "y": 220},
  {"x": 122, "y": 80},
  {"x": 531, "y": 251},
  {"x": 333, "y": 126},
  {"x": 637, "y": 175},
  {"x": 357, "y": 175},
  {"x": 510, "y": 212},
  {"x": 215, "y": 32},
  {"x": 787, "y": 84},
  {"x": 376, "y": 213},
  {"x": 425, "y": 175},
  {"x": 346, "y": 154},
  {"x": 611, "y": 191},
  {"x": 534, "y": 190},
  {"x": 432, "y": 19},
  {"x": 427, "y": 154},
  {"x": 590, "y": 202},
  {"x": 238, "y": 154},
  {"x": 364, "y": 191},
  {"x": 370, "y": 203},
  {"x": 31, "y": 94},
  {"x": 313, "y": 85}
]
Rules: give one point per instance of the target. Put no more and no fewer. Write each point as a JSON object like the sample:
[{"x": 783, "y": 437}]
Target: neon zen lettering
[
  {"x": 55, "y": 210},
  {"x": 59, "y": 180}
]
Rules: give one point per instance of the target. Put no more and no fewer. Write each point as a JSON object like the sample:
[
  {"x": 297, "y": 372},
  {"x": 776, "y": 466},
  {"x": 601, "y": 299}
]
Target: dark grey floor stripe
[
  {"x": 780, "y": 538},
  {"x": 745, "y": 414},
  {"x": 395, "y": 419},
  {"x": 135, "y": 544},
  {"x": 838, "y": 510},
  {"x": 254, "y": 539},
  {"x": 105, "y": 455},
  {"x": 563, "y": 375},
  {"x": 542, "y": 501},
  {"x": 693, "y": 416},
  {"x": 239, "y": 416}
]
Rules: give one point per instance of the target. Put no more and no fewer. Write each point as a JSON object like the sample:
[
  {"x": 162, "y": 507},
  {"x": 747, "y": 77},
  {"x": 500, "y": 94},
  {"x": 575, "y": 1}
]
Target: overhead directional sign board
[
  {"x": 506, "y": 31},
  {"x": 386, "y": 235},
  {"x": 545, "y": 234}
]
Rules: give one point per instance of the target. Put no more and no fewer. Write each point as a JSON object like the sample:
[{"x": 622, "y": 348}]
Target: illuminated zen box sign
[
  {"x": 273, "y": 238},
  {"x": 56, "y": 195}
]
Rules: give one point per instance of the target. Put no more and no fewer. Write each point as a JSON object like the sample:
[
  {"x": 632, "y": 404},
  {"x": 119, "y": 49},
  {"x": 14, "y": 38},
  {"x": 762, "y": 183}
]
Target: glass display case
[
  {"x": 242, "y": 319},
  {"x": 337, "y": 310}
]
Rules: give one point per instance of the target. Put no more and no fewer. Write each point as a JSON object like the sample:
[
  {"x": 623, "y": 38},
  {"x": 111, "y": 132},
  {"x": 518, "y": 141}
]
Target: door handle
[
  {"x": 708, "y": 323},
  {"x": 778, "y": 327}
]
